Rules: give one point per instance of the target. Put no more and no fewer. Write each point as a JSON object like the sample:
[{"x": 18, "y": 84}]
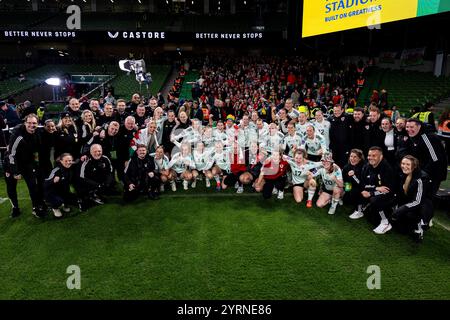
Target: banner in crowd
[
  {"x": 326, "y": 16},
  {"x": 412, "y": 57},
  {"x": 388, "y": 57},
  {"x": 139, "y": 36}
]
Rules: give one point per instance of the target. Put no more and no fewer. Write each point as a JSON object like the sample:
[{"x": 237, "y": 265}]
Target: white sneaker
[
  {"x": 57, "y": 213},
  {"x": 185, "y": 185},
  {"x": 194, "y": 184},
  {"x": 430, "y": 224},
  {"x": 65, "y": 209},
  {"x": 161, "y": 188},
  {"x": 208, "y": 183},
  {"x": 382, "y": 228},
  {"x": 174, "y": 186},
  {"x": 275, "y": 191},
  {"x": 356, "y": 215},
  {"x": 280, "y": 195},
  {"x": 240, "y": 190},
  {"x": 332, "y": 210},
  {"x": 236, "y": 185},
  {"x": 341, "y": 202}
]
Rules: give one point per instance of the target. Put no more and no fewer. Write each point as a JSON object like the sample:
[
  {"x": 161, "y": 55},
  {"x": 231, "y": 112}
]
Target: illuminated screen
[{"x": 325, "y": 16}]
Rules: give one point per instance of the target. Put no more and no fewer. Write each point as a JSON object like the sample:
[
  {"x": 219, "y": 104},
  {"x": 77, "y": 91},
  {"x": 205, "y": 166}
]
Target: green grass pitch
[{"x": 205, "y": 245}]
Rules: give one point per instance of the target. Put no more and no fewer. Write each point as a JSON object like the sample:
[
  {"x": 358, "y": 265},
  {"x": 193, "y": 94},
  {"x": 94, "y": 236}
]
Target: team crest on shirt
[
  {"x": 367, "y": 127},
  {"x": 342, "y": 119}
]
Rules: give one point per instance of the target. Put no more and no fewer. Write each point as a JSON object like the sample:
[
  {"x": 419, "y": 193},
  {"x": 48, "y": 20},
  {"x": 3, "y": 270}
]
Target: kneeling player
[
  {"x": 272, "y": 175},
  {"x": 183, "y": 164},
  {"x": 332, "y": 183},
  {"x": 302, "y": 178}
]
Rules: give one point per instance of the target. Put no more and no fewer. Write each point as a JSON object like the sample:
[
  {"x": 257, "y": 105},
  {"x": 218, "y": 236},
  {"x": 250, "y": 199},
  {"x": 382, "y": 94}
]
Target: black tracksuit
[
  {"x": 428, "y": 148},
  {"x": 136, "y": 173},
  {"x": 416, "y": 203},
  {"x": 340, "y": 138},
  {"x": 57, "y": 194},
  {"x": 67, "y": 140},
  {"x": 140, "y": 121},
  {"x": 23, "y": 159},
  {"x": 371, "y": 178},
  {"x": 402, "y": 144},
  {"x": 359, "y": 131},
  {"x": 123, "y": 141},
  {"x": 374, "y": 135},
  {"x": 95, "y": 176},
  {"x": 167, "y": 130},
  {"x": 47, "y": 144},
  {"x": 353, "y": 196}
]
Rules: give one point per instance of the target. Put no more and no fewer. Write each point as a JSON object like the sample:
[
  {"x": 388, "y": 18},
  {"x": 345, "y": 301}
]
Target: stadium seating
[
  {"x": 406, "y": 89},
  {"x": 155, "y": 22},
  {"x": 38, "y": 75},
  {"x": 186, "y": 92}
]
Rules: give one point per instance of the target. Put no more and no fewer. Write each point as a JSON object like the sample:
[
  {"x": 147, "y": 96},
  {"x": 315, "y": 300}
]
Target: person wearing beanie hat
[{"x": 331, "y": 189}]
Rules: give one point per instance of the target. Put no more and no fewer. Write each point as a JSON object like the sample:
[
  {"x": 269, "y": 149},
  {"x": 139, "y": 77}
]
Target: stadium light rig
[{"x": 53, "y": 81}]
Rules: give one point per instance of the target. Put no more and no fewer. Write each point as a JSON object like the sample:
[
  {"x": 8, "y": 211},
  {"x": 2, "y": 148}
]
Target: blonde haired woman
[{"x": 88, "y": 126}]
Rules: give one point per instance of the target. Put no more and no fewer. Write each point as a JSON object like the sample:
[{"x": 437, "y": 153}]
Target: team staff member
[
  {"x": 140, "y": 176},
  {"x": 352, "y": 181},
  {"x": 23, "y": 161},
  {"x": 95, "y": 178},
  {"x": 359, "y": 129},
  {"x": 123, "y": 141},
  {"x": 413, "y": 196},
  {"x": 67, "y": 139},
  {"x": 378, "y": 187},
  {"x": 48, "y": 134},
  {"x": 428, "y": 148},
  {"x": 340, "y": 135},
  {"x": 167, "y": 128},
  {"x": 57, "y": 186}
]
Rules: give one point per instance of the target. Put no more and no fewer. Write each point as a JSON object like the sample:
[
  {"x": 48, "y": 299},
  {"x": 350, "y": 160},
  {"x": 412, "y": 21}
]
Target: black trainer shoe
[
  {"x": 15, "y": 212},
  {"x": 97, "y": 199},
  {"x": 82, "y": 206},
  {"x": 151, "y": 196},
  {"x": 39, "y": 212},
  {"x": 156, "y": 195}
]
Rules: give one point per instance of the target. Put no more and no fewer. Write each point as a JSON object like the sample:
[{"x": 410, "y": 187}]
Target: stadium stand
[{"x": 406, "y": 89}]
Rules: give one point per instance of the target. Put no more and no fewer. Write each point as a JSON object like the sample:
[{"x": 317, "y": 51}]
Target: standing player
[
  {"x": 273, "y": 140},
  {"x": 293, "y": 140},
  {"x": 302, "y": 124},
  {"x": 314, "y": 144},
  {"x": 322, "y": 126}
]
